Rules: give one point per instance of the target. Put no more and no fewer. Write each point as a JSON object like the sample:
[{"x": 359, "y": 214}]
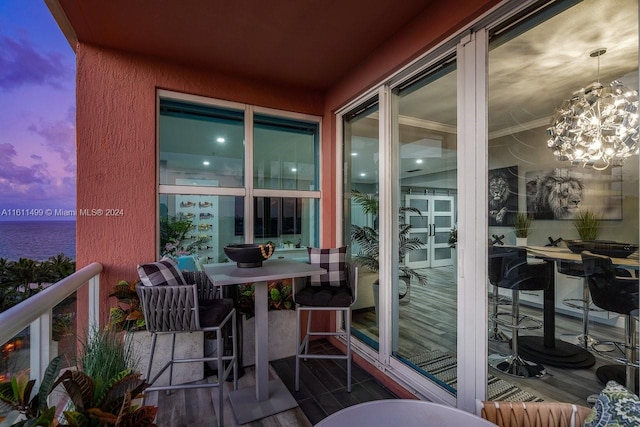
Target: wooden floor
[
  {"x": 427, "y": 322},
  {"x": 322, "y": 392}
]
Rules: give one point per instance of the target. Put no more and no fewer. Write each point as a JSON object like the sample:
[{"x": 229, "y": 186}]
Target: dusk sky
[{"x": 37, "y": 111}]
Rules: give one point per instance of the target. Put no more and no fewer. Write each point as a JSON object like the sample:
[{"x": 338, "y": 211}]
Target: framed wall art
[
  {"x": 503, "y": 195},
  {"x": 561, "y": 193}
]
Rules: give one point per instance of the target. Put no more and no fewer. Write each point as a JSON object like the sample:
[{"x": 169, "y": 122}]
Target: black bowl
[
  {"x": 249, "y": 255},
  {"x": 602, "y": 247}
]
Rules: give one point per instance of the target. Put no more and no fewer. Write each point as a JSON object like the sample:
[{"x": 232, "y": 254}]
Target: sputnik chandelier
[{"x": 597, "y": 126}]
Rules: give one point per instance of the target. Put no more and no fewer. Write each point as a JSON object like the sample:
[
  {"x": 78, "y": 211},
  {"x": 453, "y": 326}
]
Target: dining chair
[
  {"x": 336, "y": 290},
  {"x": 174, "y": 302}
]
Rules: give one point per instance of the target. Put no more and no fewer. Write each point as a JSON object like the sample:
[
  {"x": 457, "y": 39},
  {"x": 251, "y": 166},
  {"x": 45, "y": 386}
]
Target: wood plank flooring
[
  {"x": 322, "y": 392},
  {"x": 428, "y": 319}
]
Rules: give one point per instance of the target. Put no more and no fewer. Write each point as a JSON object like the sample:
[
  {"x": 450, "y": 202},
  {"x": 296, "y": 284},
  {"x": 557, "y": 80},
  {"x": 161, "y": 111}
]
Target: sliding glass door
[
  {"x": 424, "y": 298},
  {"x": 535, "y": 67}
]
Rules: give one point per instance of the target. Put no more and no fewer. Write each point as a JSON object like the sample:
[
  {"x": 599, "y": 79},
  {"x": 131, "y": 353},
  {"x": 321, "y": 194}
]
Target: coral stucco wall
[
  {"x": 116, "y": 132},
  {"x": 116, "y": 149}
]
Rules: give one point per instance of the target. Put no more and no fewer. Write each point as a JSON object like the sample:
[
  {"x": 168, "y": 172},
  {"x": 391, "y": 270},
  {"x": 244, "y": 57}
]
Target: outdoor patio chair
[
  {"x": 174, "y": 303},
  {"x": 533, "y": 414},
  {"x": 334, "y": 291}
]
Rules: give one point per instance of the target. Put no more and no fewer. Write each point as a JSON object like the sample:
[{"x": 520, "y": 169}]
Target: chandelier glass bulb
[{"x": 597, "y": 126}]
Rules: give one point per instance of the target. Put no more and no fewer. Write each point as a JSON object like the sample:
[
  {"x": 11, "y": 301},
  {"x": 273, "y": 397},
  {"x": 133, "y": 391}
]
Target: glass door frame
[{"x": 471, "y": 47}]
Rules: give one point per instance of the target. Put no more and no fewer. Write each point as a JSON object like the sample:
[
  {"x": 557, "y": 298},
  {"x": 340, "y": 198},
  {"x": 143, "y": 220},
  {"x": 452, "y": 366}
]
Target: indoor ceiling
[{"x": 529, "y": 77}]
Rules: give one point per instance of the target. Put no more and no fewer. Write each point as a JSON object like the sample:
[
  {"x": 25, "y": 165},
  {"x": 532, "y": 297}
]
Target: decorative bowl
[
  {"x": 602, "y": 247},
  {"x": 249, "y": 255}
]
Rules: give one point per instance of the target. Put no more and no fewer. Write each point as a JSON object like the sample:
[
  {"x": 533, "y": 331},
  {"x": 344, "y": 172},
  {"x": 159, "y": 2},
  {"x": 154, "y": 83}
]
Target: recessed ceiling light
[
  {"x": 206, "y": 163},
  {"x": 419, "y": 161},
  {"x": 220, "y": 139},
  {"x": 354, "y": 154},
  {"x": 294, "y": 170},
  {"x": 363, "y": 174}
]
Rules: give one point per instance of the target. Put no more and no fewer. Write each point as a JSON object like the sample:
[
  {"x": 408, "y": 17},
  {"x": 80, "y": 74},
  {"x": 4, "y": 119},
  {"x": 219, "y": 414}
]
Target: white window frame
[{"x": 248, "y": 191}]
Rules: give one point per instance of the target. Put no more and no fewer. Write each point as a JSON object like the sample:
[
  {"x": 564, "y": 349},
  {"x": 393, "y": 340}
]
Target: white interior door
[{"x": 432, "y": 226}]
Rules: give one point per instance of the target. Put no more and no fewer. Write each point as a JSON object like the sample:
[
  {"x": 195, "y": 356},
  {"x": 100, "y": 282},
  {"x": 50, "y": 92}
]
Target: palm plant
[{"x": 369, "y": 242}]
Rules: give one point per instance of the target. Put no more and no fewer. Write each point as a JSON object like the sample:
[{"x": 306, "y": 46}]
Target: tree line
[{"x": 23, "y": 278}]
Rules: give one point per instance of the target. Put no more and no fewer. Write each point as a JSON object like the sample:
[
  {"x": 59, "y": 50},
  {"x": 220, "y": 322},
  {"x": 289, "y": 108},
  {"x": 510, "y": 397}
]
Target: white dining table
[
  {"x": 403, "y": 413},
  {"x": 268, "y": 397}
]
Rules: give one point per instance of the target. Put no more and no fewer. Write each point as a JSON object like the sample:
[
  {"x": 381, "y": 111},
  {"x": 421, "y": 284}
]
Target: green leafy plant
[
  {"x": 280, "y": 297},
  {"x": 522, "y": 224},
  {"x": 453, "y": 237},
  {"x": 127, "y": 315},
  {"x": 587, "y": 224},
  {"x": 173, "y": 236},
  {"x": 17, "y": 394},
  {"x": 369, "y": 242}
]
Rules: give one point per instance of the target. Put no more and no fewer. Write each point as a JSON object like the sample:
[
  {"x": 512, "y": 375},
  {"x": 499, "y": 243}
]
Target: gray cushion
[{"x": 163, "y": 272}]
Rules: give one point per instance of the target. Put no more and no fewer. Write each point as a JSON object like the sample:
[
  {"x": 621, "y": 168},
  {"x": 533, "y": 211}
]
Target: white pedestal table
[{"x": 269, "y": 397}]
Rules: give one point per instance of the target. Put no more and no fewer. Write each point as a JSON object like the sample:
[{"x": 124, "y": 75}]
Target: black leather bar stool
[
  {"x": 576, "y": 269},
  {"x": 619, "y": 295},
  {"x": 495, "y": 272},
  {"x": 520, "y": 275}
]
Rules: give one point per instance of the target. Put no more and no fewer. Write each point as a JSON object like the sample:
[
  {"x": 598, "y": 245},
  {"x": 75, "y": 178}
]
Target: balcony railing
[{"x": 36, "y": 313}]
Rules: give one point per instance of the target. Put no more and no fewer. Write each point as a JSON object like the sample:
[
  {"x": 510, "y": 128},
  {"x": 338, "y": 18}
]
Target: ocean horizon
[{"x": 37, "y": 240}]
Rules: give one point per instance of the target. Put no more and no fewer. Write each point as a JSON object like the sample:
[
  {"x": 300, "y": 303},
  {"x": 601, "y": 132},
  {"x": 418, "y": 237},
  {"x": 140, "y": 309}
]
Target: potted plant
[
  {"x": 101, "y": 391},
  {"x": 127, "y": 317},
  {"x": 127, "y": 314},
  {"x": 453, "y": 241},
  {"x": 368, "y": 241},
  {"x": 173, "y": 237},
  {"x": 522, "y": 227},
  {"x": 282, "y": 315},
  {"x": 587, "y": 224}
]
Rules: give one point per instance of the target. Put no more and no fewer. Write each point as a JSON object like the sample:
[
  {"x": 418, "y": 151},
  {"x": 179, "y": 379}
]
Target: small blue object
[{"x": 188, "y": 263}]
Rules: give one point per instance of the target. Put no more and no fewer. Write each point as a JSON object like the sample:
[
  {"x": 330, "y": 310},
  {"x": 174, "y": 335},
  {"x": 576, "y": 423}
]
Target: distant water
[{"x": 37, "y": 240}]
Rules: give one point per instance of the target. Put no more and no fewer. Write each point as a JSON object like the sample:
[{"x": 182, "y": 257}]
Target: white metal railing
[{"x": 36, "y": 313}]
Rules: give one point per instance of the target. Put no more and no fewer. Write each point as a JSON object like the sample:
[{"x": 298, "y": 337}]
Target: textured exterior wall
[
  {"x": 116, "y": 133},
  {"x": 116, "y": 149}
]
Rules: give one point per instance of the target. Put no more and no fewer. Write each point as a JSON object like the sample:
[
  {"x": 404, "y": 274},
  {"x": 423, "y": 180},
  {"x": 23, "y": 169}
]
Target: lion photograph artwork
[
  {"x": 503, "y": 195},
  {"x": 561, "y": 193}
]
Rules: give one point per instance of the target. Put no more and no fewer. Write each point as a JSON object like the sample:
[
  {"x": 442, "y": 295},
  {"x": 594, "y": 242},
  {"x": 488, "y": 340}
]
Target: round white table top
[{"x": 401, "y": 412}]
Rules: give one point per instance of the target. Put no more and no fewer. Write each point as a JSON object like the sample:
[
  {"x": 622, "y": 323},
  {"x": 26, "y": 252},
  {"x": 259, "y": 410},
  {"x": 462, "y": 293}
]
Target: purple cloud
[
  {"x": 19, "y": 179},
  {"x": 21, "y": 64},
  {"x": 59, "y": 138}
]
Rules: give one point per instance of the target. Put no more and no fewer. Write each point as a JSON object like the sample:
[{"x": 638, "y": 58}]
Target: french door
[{"x": 432, "y": 225}]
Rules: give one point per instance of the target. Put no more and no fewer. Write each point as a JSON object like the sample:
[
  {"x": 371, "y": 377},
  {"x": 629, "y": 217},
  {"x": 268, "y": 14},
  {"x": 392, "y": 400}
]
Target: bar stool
[
  {"x": 619, "y": 295},
  {"x": 519, "y": 275},
  {"x": 495, "y": 272},
  {"x": 575, "y": 269}
]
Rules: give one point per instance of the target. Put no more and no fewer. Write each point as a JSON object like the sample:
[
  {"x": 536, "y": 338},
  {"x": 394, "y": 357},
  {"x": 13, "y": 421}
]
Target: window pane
[
  {"x": 285, "y": 154},
  {"x": 425, "y": 129},
  {"x": 201, "y": 145},
  {"x": 198, "y": 226},
  {"x": 290, "y": 223}
]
